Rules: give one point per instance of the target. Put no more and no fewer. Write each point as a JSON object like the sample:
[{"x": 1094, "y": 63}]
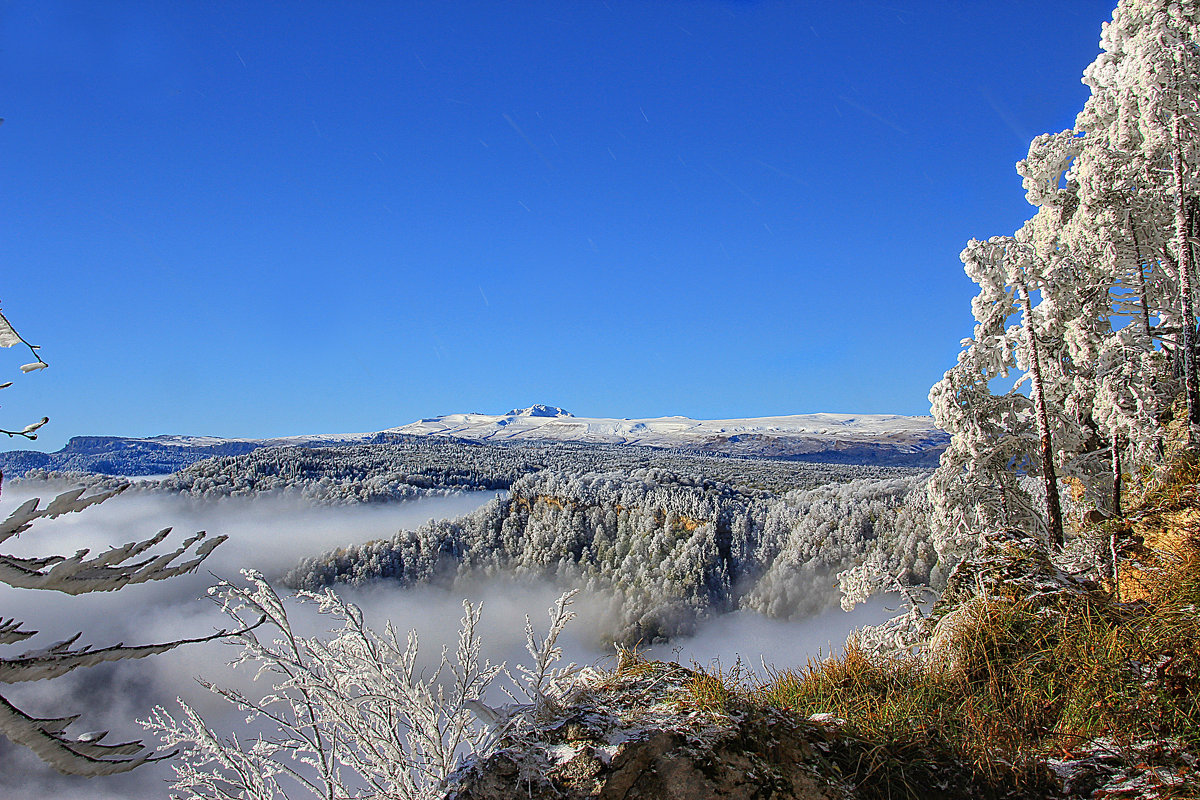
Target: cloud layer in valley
[{"x": 270, "y": 535}]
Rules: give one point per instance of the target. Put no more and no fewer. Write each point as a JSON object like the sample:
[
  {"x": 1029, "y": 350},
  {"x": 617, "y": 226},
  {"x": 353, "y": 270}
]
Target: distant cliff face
[{"x": 119, "y": 455}]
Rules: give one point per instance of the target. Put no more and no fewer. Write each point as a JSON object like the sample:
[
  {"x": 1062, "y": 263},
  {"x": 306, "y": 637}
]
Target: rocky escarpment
[
  {"x": 630, "y": 734},
  {"x": 1035, "y": 683}
]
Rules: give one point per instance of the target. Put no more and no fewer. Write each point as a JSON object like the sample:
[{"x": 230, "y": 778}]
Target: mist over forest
[
  {"x": 714, "y": 560},
  {"x": 707, "y": 209}
]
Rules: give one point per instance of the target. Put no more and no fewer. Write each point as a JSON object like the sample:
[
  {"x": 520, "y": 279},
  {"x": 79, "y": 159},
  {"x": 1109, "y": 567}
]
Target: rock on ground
[{"x": 631, "y": 738}]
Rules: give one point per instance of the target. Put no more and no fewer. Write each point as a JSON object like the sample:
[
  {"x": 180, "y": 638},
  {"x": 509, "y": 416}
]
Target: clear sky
[{"x": 260, "y": 219}]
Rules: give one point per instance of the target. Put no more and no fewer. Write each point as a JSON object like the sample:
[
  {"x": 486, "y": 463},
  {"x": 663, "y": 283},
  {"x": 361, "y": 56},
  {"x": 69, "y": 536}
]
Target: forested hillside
[
  {"x": 660, "y": 549},
  {"x": 399, "y": 466}
]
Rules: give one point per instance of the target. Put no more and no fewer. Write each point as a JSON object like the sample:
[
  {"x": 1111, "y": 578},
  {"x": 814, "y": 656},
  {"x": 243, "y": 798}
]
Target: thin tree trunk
[
  {"x": 1141, "y": 281},
  {"x": 1172, "y": 342},
  {"x": 1116, "y": 476},
  {"x": 1116, "y": 565},
  {"x": 1184, "y": 249},
  {"x": 1054, "y": 524},
  {"x": 1193, "y": 209}
]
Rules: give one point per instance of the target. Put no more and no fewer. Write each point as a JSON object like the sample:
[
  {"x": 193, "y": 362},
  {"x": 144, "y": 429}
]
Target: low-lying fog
[{"x": 270, "y": 535}]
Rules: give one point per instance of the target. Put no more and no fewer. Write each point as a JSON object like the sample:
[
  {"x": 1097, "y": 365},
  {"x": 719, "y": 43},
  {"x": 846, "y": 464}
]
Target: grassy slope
[{"x": 1076, "y": 689}]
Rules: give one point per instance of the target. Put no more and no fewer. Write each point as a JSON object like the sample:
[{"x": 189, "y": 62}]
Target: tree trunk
[
  {"x": 1116, "y": 565},
  {"x": 1184, "y": 249},
  {"x": 1141, "y": 283},
  {"x": 1116, "y": 476},
  {"x": 1054, "y": 524}
]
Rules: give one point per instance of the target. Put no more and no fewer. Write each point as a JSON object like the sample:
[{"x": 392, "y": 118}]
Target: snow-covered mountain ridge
[
  {"x": 783, "y": 436},
  {"x": 874, "y": 439}
]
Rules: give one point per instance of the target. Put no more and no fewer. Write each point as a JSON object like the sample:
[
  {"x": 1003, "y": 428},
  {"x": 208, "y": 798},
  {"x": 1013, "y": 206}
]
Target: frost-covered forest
[
  {"x": 407, "y": 466},
  {"x": 1079, "y": 378},
  {"x": 660, "y": 549},
  {"x": 663, "y": 538}
]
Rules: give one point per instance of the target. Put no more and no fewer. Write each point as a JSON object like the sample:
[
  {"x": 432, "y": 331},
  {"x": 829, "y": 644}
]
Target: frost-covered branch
[
  {"x": 352, "y": 715},
  {"x": 902, "y": 632},
  {"x": 60, "y": 658},
  {"x": 9, "y": 338},
  {"x": 78, "y": 755},
  {"x": 108, "y": 571},
  {"x": 75, "y": 575},
  {"x": 543, "y": 682},
  {"x": 114, "y": 569},
  {"x": 83, "y": 755}
]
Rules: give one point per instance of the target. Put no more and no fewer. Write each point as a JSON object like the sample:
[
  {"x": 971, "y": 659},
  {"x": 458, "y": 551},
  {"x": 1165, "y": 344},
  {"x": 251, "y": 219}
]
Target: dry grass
[
  {"x": 1020, "y": 682},
  {"x": 1160, "y": 535}
]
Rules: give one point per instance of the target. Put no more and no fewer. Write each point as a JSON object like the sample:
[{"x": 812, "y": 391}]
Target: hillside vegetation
[
  {"x": 398, "y": 467},
  {"x": 1059, "y": 533},
  {"x": 1029, "y": 682},
  {"x": 1062, "y": 658},
  {"x": 662, "y": 551}
]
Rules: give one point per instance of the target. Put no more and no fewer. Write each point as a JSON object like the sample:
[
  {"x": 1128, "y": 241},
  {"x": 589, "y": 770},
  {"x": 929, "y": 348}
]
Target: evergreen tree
[{"x": 1103, "y": 277}]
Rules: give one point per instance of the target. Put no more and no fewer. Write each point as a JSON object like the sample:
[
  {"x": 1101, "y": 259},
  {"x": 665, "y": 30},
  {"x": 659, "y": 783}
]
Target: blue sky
[{"x": 254, "y": 219}]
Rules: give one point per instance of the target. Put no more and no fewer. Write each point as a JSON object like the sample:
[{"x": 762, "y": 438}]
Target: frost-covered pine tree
[
  {"x": 78, "y": 754},
  {"x": 1105, "y": 286},
  {"x": 1140, "y": 123},
  {"x": 977, "y": 486},
  {"x": 1021, "y": 266}
]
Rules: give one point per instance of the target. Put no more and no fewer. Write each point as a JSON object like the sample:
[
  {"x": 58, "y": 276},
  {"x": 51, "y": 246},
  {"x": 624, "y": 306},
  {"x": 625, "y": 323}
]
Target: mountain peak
[{"x": 539, "y": 410}]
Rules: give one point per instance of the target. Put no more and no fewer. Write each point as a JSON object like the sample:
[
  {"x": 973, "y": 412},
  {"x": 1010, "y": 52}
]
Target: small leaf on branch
[{"x": 8, "y": 336}]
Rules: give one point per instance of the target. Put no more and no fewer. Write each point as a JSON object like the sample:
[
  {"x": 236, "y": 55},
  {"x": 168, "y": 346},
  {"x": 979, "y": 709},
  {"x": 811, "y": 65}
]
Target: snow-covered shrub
[{"x": 355, "y": 715}]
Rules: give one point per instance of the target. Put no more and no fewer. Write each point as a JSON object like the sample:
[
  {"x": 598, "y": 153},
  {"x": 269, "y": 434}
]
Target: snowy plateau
[{"x": 868, "y": 439}]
